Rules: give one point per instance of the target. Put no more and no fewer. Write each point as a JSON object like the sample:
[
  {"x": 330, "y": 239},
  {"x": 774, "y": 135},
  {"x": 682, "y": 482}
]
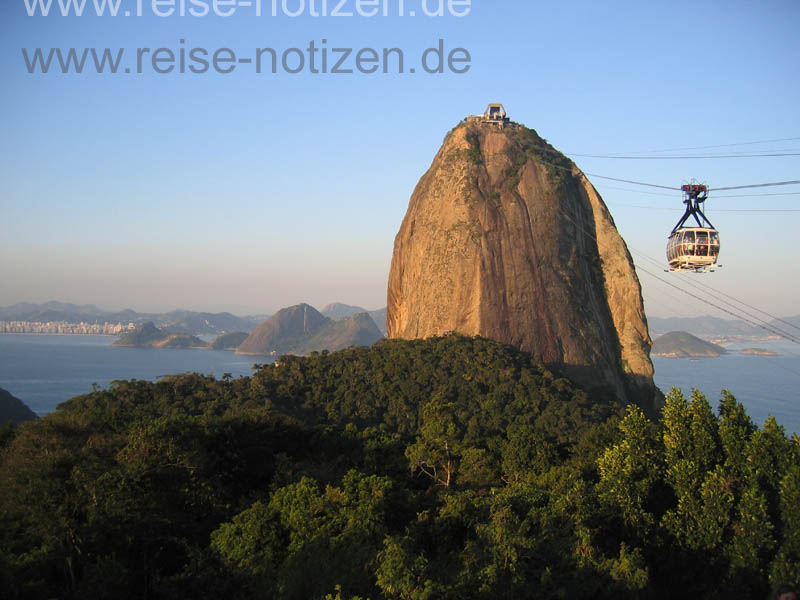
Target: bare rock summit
[{"x": 506, "y": 238}]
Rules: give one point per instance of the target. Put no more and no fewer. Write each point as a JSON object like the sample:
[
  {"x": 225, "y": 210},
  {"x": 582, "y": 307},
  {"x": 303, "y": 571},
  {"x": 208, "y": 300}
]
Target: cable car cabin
[{"x": 693, "y": 249}]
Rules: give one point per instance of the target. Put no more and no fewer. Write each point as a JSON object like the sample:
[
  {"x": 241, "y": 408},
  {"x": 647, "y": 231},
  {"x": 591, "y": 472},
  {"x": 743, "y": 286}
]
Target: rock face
[{"x": 505, "y": 238}]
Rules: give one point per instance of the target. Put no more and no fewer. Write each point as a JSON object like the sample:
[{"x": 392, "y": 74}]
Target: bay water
[{"x": 45, "y": 370}]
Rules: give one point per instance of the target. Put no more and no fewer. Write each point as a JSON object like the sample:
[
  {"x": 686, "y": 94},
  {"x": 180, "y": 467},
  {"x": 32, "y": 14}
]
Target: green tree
[
  {"x": 630, "y": 469},
  {"x": 785, "y": 568},
  {"x": 701, "y": 518},
  {"x": 769, "y": 454},
  {"x": 752, "y": 539},
  {"x": 735, "y": 430},
  {"x": 526, "y": 454},
  {"x": 401, "y": 573},
  {"x": 691, "y": 448},
  {"x": 253, "y": 545},
  {"x": 438, "y": 447},
  {"x": 336, "y": 534}
]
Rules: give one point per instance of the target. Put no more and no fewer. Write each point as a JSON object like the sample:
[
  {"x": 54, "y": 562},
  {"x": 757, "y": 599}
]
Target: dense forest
[{"x": 453, "y": 468}]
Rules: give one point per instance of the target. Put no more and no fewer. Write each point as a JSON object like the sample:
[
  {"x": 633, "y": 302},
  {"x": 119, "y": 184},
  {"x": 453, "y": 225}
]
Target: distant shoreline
[
  {"x": 758, "y": 352},
  {"x": 687, "y": 356},
  {"x": 56, "y": 333}
]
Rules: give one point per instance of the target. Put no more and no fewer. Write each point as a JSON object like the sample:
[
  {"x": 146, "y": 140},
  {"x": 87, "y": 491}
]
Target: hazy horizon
[
  {"x": 240, "y": 311},
  {"x": 252, "y": 311}
]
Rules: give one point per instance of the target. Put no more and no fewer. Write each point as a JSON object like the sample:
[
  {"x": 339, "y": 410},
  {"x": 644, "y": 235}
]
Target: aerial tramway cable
[
  {"x": 666, "y": 187},
  {"x": 705, "y": 302},
  {"x": 750, "y": 319},
  {"x": 695, "y": 157},
  {"x": 756, "y": 185},
  {"x": 789, "y": 139}
]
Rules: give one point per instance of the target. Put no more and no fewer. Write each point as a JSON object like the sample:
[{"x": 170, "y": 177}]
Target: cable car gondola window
[
  {"x": 714, "y": 243},
  {"x": 688, "y": 242},
  {"x": 702, "y": 243}
]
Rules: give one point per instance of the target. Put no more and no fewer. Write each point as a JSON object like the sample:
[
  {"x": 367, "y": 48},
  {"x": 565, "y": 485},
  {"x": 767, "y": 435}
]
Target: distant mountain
[
  {"x": 150, "y": 336},
  {"x": 358, "y": 330},
  {"x": 229, "y": 341},
  {"x": 11, "y": 312},
  {"x": 283, "y": 331},
  {"x": 185, "y": 321},
  {"x": 178, "y": 321},
  {"x": 705, "y": 327},
  {"x": 788, "y": 324},
  {"x": 255, "y": 320},
  {"x": 302, "y": 329},
  {"x": 14, "y": 410},
  {"x": 51, "y": 311},
  {"x": 379, "y": 316},
  {"x": 337, "y": 310},
  {"x": 679, "y": 344}
]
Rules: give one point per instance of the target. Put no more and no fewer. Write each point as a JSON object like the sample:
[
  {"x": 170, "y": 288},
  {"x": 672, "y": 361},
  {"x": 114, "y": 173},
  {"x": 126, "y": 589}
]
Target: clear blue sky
[{"x": 248, "y": 192}]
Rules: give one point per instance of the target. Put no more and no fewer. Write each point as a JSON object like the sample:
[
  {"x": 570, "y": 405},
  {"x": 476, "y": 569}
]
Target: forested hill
[
  {"x": 679, "y": 344},
  {"x": 14, "y": 410},
  {"x": 446, "y": 468}
]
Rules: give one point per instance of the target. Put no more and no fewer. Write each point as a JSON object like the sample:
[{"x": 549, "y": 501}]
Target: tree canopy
[{"x": 447, "y": 468}]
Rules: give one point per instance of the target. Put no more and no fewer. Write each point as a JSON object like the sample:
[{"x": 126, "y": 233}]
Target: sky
[{"x": 248, "y": 191}]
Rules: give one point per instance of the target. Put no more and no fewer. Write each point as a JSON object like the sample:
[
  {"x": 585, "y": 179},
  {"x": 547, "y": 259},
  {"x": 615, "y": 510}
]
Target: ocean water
[
  {"x": 765, "y": 385},
  {"x": 45, "y": 370}
]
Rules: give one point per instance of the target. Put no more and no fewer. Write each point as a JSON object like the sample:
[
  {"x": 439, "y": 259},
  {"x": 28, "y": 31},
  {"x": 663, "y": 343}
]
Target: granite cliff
[{"x": 506, "y": 238}]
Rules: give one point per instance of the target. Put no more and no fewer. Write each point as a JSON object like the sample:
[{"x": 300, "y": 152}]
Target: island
[
  {"x": 758, "y": 352},
  {"x": 150, "y": 336},
  {"x": 679, "y": 344},
  {"x": 228, "y": 341}
]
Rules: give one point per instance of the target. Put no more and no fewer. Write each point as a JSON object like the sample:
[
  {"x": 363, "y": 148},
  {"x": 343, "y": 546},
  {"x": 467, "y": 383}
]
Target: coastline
[{"x": 56, "y": 333}]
